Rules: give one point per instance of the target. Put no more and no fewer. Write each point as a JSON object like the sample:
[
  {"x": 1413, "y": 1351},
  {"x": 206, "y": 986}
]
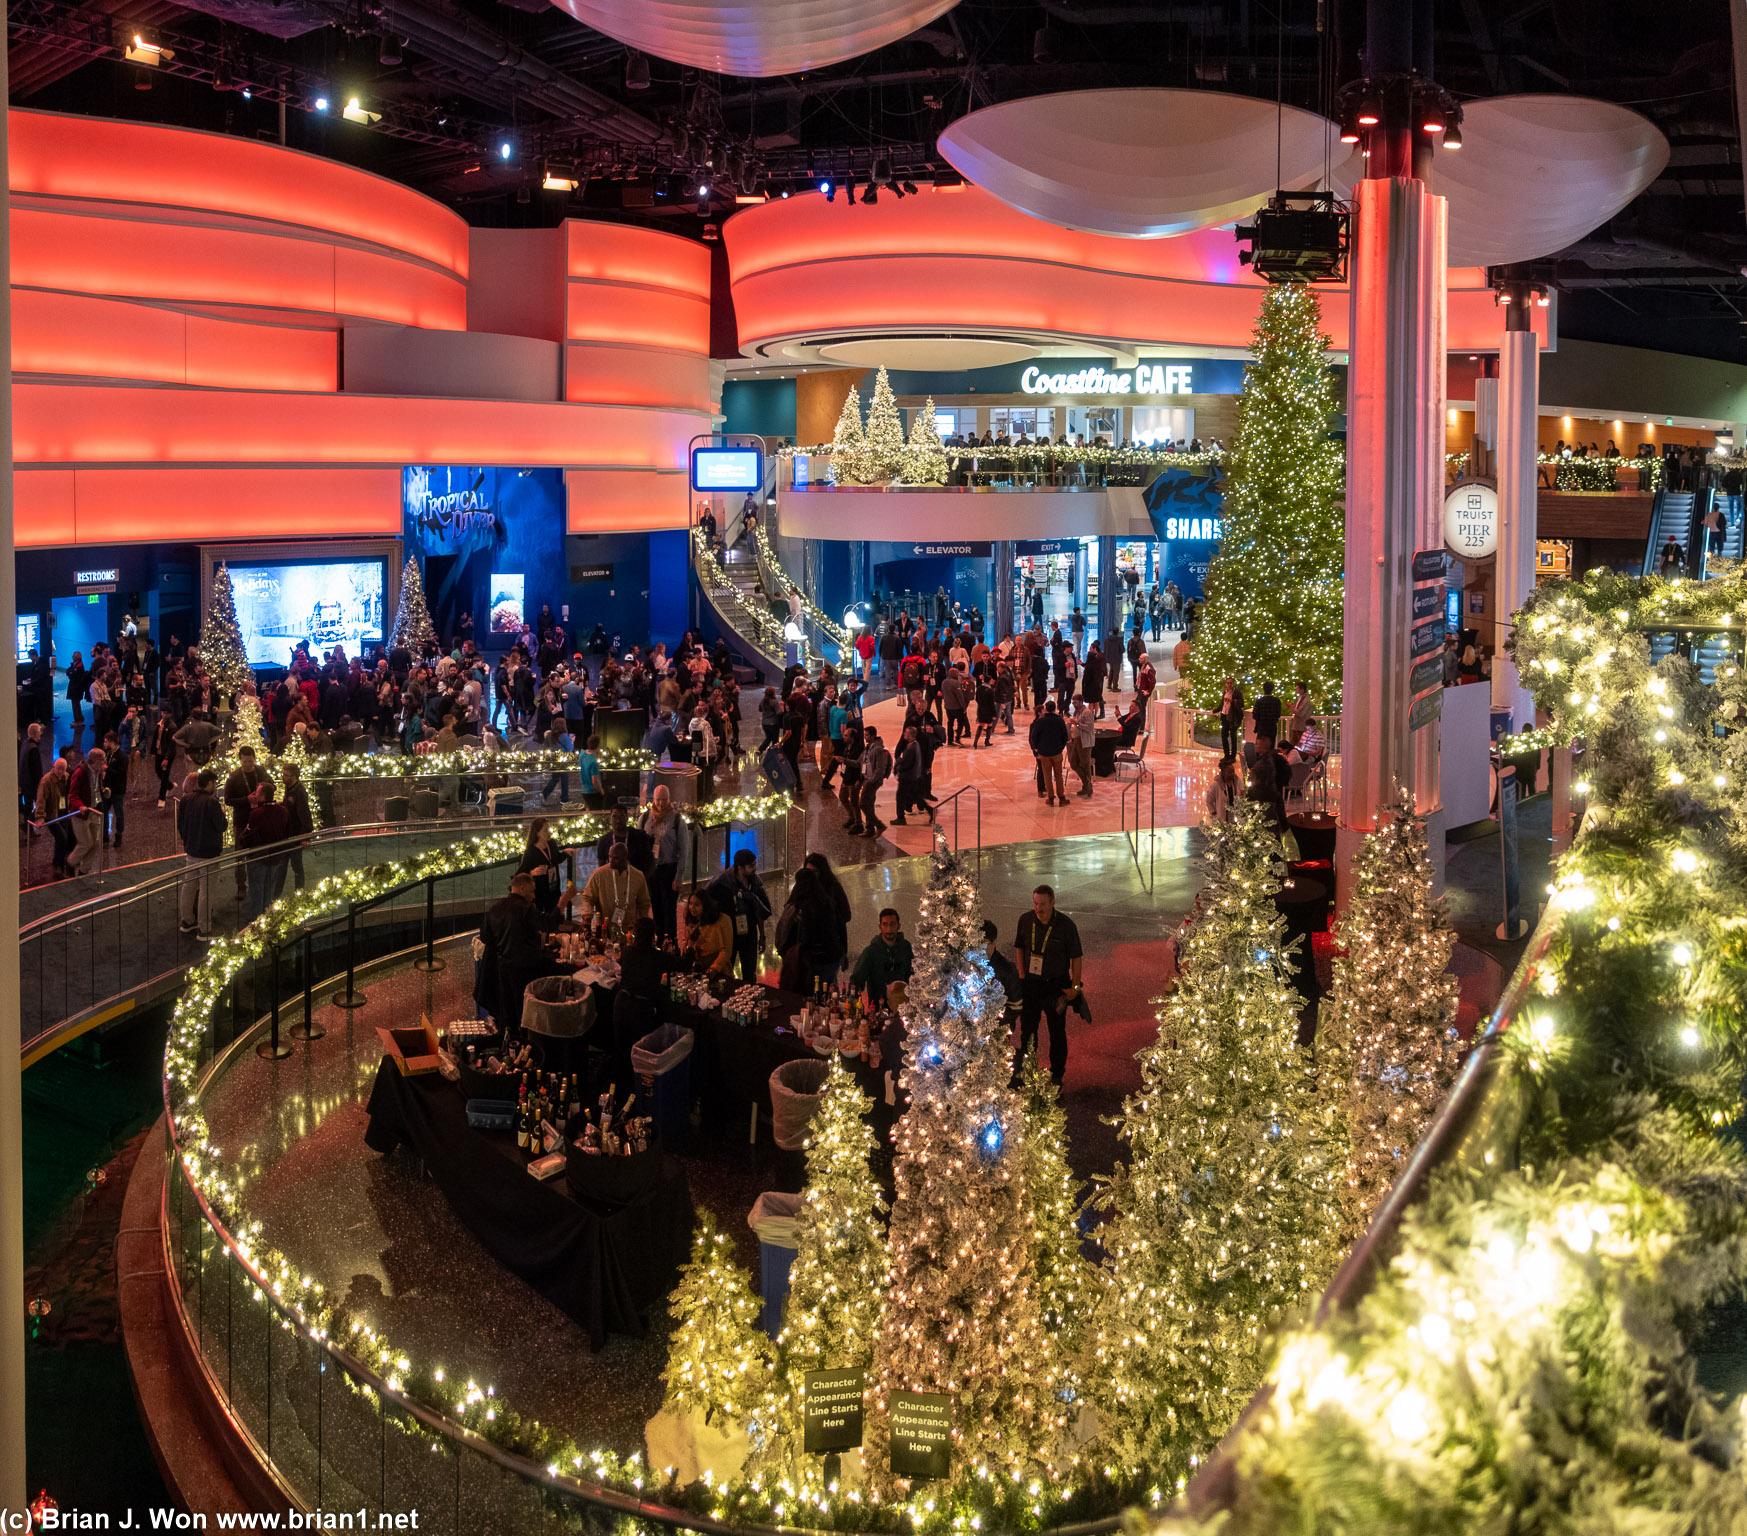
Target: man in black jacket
[
  {"x": 1266, "y": 713},
  {"x": 910, "y": 770},
  {"x": 740, "y": 897},
  {"x": 1049, "y": 739},
  {"x": 514, "y": 955},
  {"x": 200, "y": 821}
]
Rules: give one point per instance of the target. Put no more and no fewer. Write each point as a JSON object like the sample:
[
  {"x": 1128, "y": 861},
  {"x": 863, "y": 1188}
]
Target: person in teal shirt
[
  {"x": 588, "y": 765},
  {"x": 887, "y": 959}
]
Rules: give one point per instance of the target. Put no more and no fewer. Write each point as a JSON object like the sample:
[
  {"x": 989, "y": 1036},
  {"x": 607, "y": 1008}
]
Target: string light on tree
[
  {"x": 924, "y": 458},
  {"x": 221, "y": 639},
  {"x": 849, "y": 457},
  {"x": 1225, "y": 1216},
  {"x": 962, "y": 1313},
  {"x": 413, "y": 629},
  {"x": 1273, "y": 608},
  {"x": 884, "y": 458},
  {"x": 719, "y": 1361},
  {"x": 1387, "y": 1029}
]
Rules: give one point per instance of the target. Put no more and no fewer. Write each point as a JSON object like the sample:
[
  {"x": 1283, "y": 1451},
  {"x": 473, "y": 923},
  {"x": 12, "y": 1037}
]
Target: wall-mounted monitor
[
  {"x": 727, "y": 469},
  {"x": 29, "y": 635},
  {"x": 320, "y": 603},
  {"x": 508, "y": 612}
]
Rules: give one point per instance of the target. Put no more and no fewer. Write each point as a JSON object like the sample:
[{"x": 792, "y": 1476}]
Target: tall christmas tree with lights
[
  {"x": 1226, "y": 1215},
  {"x": 925, "y": 457},
  {"x": 1273, "y": 607},
  {"x": 1387, "y": 1030},
  {"x": 885, "y": 432},
  {"x": 412, "y": 619},
  {"x": 1065, "y": 1283},
  {"x": 837, "y": 1281},
  {"x": 849, "y": 444},
  {"x": 962, "y": 1314},
  {"x": 221, "y": 639}
]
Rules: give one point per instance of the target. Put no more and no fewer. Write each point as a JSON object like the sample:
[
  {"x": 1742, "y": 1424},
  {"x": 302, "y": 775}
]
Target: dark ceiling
[{"x": 477, "y": 97}]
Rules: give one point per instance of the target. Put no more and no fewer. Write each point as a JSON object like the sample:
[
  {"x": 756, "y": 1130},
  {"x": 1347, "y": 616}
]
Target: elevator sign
[{"x": 1471, "y": 520}]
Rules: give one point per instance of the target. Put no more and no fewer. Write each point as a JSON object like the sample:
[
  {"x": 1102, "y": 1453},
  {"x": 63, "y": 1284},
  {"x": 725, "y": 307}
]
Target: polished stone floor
[{"x": 380, "y": 1235}]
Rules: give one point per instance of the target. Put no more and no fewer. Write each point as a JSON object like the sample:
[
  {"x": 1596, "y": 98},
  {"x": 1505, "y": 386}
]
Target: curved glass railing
[{"x": 333, "y": 1423}]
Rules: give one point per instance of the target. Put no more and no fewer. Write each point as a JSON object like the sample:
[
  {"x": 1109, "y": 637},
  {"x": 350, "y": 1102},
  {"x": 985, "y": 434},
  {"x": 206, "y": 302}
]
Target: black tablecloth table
[
  {"x": 1304, "y": 905},
  {"x": 1104, "y": 744},
  {"x": 605, "y": 1267},
  {"x": 1315, "y": 834}
]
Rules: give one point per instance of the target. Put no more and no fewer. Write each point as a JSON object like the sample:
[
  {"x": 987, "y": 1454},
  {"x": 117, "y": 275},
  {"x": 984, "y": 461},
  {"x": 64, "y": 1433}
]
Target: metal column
[
  {"x": 1514, "y": 450},
  {"x": 1395, "y": 475}
]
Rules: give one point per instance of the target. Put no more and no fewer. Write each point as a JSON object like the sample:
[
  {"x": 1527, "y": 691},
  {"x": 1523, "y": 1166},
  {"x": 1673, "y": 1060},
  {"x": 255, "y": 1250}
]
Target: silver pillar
[
  {"x": 13, "y": 1492},
  {"x": 1514, "y": 451},
  {"x": 1001, "y": 603},
  {"x": 1395, "y": 476}
]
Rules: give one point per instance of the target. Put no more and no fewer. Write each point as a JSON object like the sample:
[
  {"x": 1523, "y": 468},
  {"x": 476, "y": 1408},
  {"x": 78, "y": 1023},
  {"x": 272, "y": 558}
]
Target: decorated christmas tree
[
  {"x": 925, "y": 457},
  {"x": 1273, "y": 607},
  {"x": 849, "y": 444},
  {"x": 962, "y": 1315},
  {"x": 1387, "y": 1027},
  {"x": 1065, "y": 1283},
  {"x": 1226, "y": 1215},
  {"x": 719, "y": 1360},
  {"x": 221, "y": 639},
  {"x": 837, "y": 1281},
  {"x": 885, "y": 432},
  {"x": 412, "y": 620}
]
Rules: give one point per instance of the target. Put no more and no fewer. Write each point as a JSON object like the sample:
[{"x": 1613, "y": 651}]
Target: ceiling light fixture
[
  {"x": 1370, "y": 110},
  {"x": 320, "y": 103},
  {"x": 828, "y": 189},
  {"x": 355, "y": 111},
  {"x": 389, "y": 52},
  {"x": 558, "y": 177},
  {"x": 505, "y": 150},
  {"x": 870, "y": 194},
  {"x": 1453, "y": 133},
  {"x": 636, "y": 72},
  {"x": 140, "y": 49}
]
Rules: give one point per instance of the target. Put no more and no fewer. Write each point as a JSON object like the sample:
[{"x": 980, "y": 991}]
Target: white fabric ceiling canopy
[
  {"x": 1141, "y": 163},
  {"x": 756, "y": 38}
]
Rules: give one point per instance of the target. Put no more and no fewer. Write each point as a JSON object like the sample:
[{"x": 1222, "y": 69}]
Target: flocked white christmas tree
[
  {"x": 1387, "y": 1030},
  {"x": 1226, "y": 1215},
  {"x": 849, "y": 444},
  {"x": 885, "y": 433},
  {"x": 412, "y": 619},
  {"x": 925, "y": 457},
  {"x": 962, "y": 1313}
]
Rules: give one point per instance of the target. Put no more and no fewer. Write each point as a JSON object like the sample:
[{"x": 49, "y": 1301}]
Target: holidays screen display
[
  {"x": 727, "y": 469},
  {"x": 324, "y": 605}
]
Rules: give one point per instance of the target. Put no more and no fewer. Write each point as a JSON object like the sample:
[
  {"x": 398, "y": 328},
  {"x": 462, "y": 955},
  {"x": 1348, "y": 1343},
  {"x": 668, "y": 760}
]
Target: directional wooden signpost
[{"x": 1427, "y": 638}]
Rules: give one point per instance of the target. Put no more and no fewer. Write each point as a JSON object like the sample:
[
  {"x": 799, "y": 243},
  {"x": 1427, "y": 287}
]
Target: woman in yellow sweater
[{"x": 707, "y": 936}]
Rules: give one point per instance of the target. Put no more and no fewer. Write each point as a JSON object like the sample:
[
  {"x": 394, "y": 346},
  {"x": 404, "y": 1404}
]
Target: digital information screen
[
  {"x": 29, "y": 634},
  {"x": 727, "y": 469},
  {"x": 333, "y": 602},
  {"x": 508, "y": 612}
]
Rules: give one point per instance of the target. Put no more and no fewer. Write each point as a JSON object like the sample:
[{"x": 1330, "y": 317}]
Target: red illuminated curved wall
[
  {"x": 802, "y": 268},
  {"x": 178, "y": 303}
]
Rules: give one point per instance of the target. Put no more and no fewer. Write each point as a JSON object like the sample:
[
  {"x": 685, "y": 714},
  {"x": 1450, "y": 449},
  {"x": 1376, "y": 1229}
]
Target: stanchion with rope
[
  {"x": 308, "y": 1030},
  {"x": 273, "y": 1048}
]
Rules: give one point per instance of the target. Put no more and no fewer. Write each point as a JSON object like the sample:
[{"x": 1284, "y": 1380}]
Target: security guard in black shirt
[{"x": 1047, "y": 952}]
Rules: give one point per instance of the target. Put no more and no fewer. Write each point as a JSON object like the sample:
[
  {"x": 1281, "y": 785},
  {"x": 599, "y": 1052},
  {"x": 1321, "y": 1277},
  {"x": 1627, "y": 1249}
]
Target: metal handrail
[
  {"x": 1143, "y": 773},
  {"x": 953, "y": 800}
]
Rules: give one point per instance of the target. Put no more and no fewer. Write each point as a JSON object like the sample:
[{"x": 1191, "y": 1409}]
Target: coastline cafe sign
[{"x": 1147, "y": 379}]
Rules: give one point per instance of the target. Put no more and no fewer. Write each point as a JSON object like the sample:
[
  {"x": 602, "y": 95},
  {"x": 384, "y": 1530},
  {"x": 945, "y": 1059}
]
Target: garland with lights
[
  {"x": 1526, "y": 1356},
  {"x": 304, "y": 1299},
  {"x": 1273, "y": 606},
  {"x": 1226, "y": 1215},
  {"x": 833, "y": 631},
  {"x": 767, "y": 629},
  {"x": 1586, "y": 474},
  {"x": 1388, "y": 1027}
]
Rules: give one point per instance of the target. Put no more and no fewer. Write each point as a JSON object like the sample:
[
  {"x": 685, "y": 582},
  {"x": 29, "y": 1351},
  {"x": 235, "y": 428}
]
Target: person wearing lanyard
[
  {"x": 617, "y": 891},
  {"x": 1048, "y": 956}
]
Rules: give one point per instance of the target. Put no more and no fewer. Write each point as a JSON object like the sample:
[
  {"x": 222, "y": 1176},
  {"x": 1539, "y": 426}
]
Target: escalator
[{"x": 741, "y": 614}]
